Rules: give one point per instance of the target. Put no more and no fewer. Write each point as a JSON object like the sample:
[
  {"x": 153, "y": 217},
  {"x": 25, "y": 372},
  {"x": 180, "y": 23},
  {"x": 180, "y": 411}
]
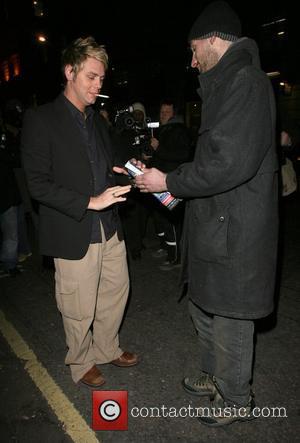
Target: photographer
[
  {"x": 134, "y": 141},
  {"x": 171, "y": 148},
  {"x": 134, "y": 135},
  {"x": 143, "y": 134}
]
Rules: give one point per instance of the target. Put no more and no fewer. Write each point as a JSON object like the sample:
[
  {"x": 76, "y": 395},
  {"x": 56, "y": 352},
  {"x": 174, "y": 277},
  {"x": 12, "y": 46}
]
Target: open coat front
[{"x": 230, "y": 235}]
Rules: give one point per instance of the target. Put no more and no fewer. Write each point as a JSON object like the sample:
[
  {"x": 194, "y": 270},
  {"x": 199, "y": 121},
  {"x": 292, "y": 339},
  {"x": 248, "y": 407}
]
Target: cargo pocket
[{"x": 67, "y": 298}]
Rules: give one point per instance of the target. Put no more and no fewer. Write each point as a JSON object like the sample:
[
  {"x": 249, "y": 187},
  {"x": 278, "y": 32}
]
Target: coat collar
[{"x": 231, "y": 62}]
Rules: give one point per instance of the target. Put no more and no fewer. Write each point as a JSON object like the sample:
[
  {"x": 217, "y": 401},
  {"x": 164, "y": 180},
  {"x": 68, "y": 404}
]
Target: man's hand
[
  {"x": 154, "y": 143},
  {"x": 109, "y": 197},
  {"x": 285, "y": 139},
  {"x": 152, "y": 180},
  {"x": 135, "y": 162},
  {"x": 120, "y": 170}
]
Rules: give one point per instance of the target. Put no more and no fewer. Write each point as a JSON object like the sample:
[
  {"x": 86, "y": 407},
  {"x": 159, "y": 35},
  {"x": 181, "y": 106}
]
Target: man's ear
[{"x": 69, "y": 73}]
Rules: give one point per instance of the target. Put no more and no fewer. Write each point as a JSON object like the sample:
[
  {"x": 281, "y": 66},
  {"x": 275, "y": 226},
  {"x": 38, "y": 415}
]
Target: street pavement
[{"x": 156, "y": 326}]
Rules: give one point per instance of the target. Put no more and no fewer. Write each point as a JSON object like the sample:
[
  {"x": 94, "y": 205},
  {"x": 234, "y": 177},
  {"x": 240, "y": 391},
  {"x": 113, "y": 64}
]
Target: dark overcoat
[
  {"x": 230, "y": 234},
  {"x": 60, "y": 177}
]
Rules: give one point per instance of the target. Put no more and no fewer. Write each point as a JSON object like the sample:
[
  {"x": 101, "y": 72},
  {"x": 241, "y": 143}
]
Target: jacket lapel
[
  {"x": 71, "y": 132},
  {"x": 73, "y": 136},
  {"x": 105, "y": 141}
]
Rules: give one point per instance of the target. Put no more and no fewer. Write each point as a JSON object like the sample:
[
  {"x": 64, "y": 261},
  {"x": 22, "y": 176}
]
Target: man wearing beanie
[{"x": 231, "y": 223}]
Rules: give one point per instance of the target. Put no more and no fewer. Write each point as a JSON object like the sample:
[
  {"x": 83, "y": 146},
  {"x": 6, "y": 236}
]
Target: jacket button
[{"x": 221, "y": 219}]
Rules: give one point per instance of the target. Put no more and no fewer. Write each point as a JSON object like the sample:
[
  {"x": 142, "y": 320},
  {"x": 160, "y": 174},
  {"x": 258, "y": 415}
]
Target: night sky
[
  {"x": 146, "y": 41},
  {"x": 139, "y": 29}
]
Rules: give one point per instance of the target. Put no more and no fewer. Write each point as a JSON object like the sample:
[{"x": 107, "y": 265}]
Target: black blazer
[{"x": 60, "y": 178}]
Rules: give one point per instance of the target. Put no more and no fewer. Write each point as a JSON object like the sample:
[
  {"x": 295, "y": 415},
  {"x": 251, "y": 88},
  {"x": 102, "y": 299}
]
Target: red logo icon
[{"x": 110, "y": 411}]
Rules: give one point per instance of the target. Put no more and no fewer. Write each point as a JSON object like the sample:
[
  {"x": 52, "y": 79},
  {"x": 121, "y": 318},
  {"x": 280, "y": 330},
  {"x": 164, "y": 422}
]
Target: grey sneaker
[
  {"x": 221, "y": 413},
  {"x": 159, "y": 253},
  {"x": 169, "y": 265},
  {"x": 201, "y": 386},
  {"x": 10, "y": 272}
]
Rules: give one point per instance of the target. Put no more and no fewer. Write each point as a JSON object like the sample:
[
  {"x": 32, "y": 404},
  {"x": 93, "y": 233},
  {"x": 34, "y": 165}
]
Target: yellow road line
[{"x": 73, "y": 423}]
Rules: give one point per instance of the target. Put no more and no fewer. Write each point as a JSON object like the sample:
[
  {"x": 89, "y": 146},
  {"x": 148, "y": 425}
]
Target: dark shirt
[{"x": 99, "y": 167}]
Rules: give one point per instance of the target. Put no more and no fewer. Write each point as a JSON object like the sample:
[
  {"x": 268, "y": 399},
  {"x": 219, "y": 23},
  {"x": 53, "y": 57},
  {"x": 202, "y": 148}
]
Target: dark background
[{"x": 146, "y": 42}]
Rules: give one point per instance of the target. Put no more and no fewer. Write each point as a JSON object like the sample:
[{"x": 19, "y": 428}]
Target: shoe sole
[
  {"x": 224, "y": 423},
  {"x": 197, "y": 393},
  {"x": 92, "y": 386},
  {"x": 24, "y": 258},
  {"x": 125, "y": 365}
]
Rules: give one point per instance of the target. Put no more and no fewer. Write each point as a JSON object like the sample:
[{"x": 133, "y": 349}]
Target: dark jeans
[
  {"x": 9, "y": 247},
  {"x": 23, "y": 242},
  {"x": 134, "y": 215},
  {"x": 168, "y": 226},
  {"x": 226, "y": 348}
]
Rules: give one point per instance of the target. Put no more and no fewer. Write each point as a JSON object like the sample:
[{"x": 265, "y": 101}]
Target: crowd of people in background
[
  {"x": 166, "y": 145},
  {"x": 15, "y": 202}
]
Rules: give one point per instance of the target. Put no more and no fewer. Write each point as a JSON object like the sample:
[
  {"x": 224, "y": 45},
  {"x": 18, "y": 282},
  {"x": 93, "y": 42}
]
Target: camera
[
  {"x": 124, "y": 119},
  {"x": 140, "y": 132}
]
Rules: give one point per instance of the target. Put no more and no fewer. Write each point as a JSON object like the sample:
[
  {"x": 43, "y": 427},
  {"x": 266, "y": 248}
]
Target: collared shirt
[{"x": 99, "y": 167}]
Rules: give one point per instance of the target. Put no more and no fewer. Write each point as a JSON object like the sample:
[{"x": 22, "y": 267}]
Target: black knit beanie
[{"x": 219, "y": 19}]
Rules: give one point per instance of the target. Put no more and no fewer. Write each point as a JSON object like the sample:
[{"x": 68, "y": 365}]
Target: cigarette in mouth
[{"x": 103, "y": 96}]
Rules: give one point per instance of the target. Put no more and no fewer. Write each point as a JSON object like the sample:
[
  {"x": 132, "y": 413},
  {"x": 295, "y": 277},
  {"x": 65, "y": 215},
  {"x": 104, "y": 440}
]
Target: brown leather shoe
[
  {"x": 93, "y": 378},
  {"x": 125, "y": 360}
]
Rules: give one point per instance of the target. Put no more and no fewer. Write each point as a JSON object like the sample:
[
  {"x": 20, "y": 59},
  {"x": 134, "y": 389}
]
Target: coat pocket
[
  {"x": 210, "y": 242},
  {"x": 68, "y": 300}
]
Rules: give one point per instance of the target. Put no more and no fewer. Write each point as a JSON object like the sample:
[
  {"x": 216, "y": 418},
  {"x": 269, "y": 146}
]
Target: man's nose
[{"x": 98, "y": 83}]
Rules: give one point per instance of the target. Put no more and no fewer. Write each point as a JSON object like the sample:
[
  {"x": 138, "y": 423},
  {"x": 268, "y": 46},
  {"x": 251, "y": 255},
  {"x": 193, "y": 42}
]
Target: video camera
[
  {"x": 142, "y": 132},
  {"x": 124, "y": 119}
]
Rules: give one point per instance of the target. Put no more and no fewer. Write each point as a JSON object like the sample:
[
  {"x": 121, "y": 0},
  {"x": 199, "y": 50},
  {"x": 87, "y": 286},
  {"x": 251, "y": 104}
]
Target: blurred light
[
  {"x": 38, "y": 8},
  {"x": 280, "y": 20},
  {"x": 286, "y": 88},
  {"x": 122, "y": 82},
  {"x": 15, "y": 62},
  {"x": 41, "y": 38},
  {"x": 5, "y": 70},
  {"x": 281, "y": 33}
]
